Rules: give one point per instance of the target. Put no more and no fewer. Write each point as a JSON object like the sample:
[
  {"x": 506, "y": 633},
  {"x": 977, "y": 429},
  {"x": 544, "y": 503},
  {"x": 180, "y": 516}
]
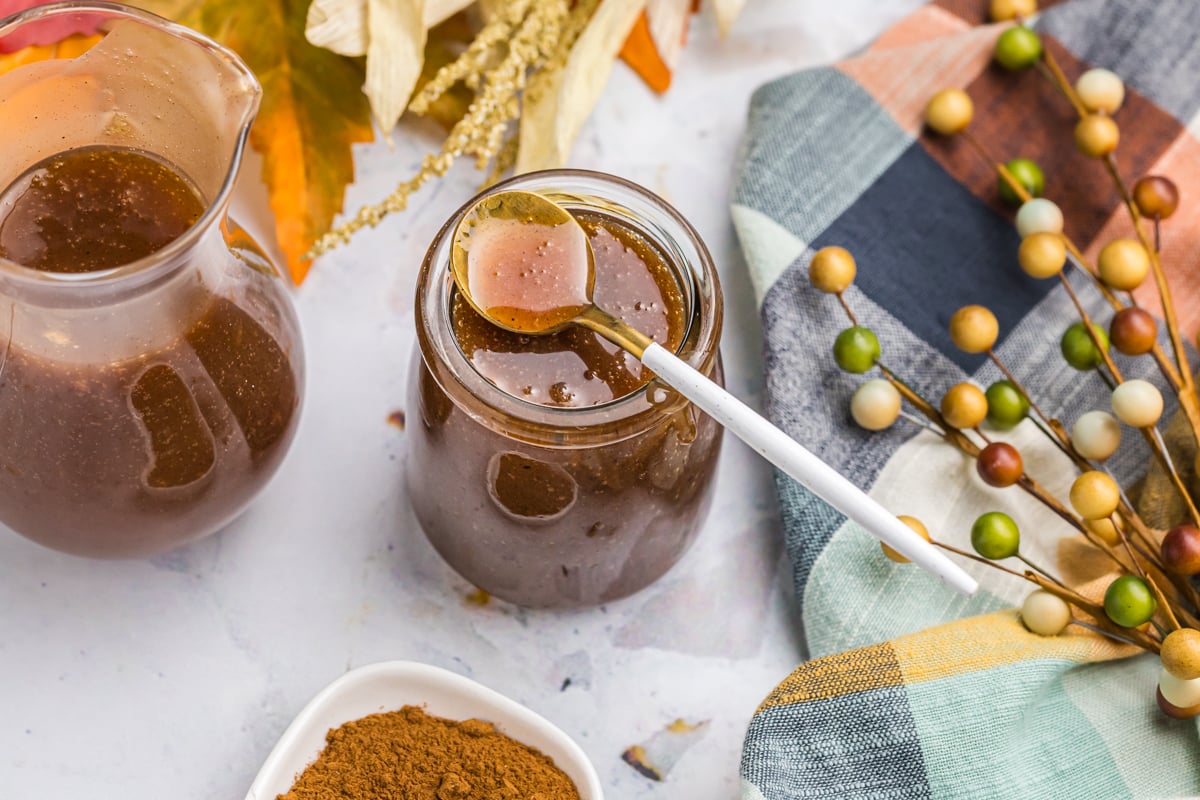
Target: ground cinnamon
[{"x": 411, "y": 755}]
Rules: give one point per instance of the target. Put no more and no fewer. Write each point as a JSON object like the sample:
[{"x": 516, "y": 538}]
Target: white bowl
[{"x": 391, "y": 684}]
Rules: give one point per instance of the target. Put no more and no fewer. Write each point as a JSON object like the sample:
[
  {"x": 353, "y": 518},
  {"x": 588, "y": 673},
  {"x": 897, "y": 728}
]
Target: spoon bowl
[{"x": 523, "y": 262}]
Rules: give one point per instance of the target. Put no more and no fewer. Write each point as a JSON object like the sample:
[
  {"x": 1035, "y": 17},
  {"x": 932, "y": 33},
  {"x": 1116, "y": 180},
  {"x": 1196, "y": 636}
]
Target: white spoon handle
[{"x": 791, "y": 457}]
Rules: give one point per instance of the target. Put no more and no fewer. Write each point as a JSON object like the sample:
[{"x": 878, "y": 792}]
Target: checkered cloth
[{"x": 914, "y": 691}]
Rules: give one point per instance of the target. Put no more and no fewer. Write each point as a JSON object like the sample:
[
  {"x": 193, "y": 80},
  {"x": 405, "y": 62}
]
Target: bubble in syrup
[{"x": 561, "y": 393}]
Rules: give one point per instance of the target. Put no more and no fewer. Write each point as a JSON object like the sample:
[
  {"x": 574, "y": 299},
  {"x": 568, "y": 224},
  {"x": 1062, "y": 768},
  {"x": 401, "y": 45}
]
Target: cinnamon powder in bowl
[
  {"x": 400, "y": 729},
  {"x": 411, "y": 754}
]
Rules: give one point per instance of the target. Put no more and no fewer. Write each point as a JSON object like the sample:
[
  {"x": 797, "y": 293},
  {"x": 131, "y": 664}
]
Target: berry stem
[
  {"x": 846, "y": 308},
  {"x": 1036, "y": 568},
  {"x": 980, "y": 559}
]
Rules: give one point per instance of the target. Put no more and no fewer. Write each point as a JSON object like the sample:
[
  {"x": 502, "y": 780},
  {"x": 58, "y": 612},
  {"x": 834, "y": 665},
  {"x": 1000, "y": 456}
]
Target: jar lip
[
  {"x": 162, "y": 260},
  {"x": 695, "y": 270}
]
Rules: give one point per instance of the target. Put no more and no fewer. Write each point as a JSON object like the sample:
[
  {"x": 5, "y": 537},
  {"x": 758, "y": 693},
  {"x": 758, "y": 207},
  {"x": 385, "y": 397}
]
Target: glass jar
[
  {"x": 143, "y": 405},
  {"x": 550, "y": 506}
]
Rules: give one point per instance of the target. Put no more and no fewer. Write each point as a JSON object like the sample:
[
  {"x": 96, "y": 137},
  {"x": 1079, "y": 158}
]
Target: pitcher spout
[{"x": 146, "y": 84}]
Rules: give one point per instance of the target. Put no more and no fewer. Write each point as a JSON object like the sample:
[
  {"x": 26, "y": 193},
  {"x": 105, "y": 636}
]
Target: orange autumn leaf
[
  {"x": 70, "y": 47},
  {"x": 641, "y": 54},
  {"x": 313, "y": 110}
]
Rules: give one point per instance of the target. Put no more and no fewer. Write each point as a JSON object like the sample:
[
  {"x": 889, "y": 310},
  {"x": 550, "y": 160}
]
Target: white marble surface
[{"x": 172, "y": 678}]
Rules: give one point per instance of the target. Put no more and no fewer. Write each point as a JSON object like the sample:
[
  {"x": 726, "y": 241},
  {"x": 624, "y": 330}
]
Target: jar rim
[
  {"x": 649, "y": 214},
  {"x": 148, "y": 267}
]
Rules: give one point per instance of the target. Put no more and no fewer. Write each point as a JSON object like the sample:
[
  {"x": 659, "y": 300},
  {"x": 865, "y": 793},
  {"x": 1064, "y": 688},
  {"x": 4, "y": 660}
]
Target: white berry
[
  {"x": 1096, "y": 435},
  {"x": 1044, "y": 613},
  {"x": 1039, "y": 215},
  {"x": 1179, "y": 692},
  {"x": 1137, "y": 403},
  {"x": 875, "y": 405},
  {"x": 1100, "y": 90}
]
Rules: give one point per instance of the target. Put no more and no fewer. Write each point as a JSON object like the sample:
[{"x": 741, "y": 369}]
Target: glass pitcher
[{"x": 143, "y": 403}]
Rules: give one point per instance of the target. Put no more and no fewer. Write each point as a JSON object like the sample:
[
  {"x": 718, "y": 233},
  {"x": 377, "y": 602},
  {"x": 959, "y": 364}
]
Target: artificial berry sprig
[{"x": 1152, "y": 602}]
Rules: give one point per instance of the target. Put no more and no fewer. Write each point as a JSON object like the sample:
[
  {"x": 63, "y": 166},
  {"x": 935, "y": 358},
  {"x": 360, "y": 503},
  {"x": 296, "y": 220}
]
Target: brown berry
[
  {"x": 1181, "y": 550},
  {"x": 1181, "y": 653},
  {"x": 832, "y": 269},
  {"x": 1133, "y": 331},
  {"x": 917, "y": 526},
  {"x": 1156, "y": 196},
  {"x": 974, "y": 329},
  {"x": 964, "y": 406},
  {"x": 1097, "y": 135},
  {"x": 1000, "y": 465}
]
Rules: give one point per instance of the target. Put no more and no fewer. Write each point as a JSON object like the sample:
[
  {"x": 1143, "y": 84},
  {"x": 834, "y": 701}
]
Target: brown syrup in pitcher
[{"x": 129, "y": 457}]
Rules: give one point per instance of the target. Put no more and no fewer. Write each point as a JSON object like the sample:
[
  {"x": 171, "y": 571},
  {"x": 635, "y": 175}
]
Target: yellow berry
[
  {"x": 1181, "y": 653},
  {"x": 832, "y": 270},
  {"x": 875, "y": 405},
  {"x": 1094, "y": 495},
  {"x": 974, "y": 329},
  {"x": 1097, "y": 135},
  {"x": 1104, "y": 529},
  {"x": 1123, "y": 264},
  {"x": 964, "y": 406},
  {"x": 1004, "y": 10},
  {"x": 1100, "y": 91},
  {"x": 1045, "y": 614},
  {"x": 917, "y": 526},
  {"x": 949, "y": 111},
  {"x": 1042, "y": 255}
]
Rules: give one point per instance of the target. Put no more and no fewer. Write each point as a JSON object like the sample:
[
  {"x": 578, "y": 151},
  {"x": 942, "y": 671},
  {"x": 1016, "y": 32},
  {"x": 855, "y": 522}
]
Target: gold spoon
[{"x": 524, "y": 263}]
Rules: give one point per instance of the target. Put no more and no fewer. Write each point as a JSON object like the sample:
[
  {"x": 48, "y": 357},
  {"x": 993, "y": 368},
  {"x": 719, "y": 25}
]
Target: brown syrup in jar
[
  {"x": 131, "y": 457},
  {"x": 576, "y": 367},
  {"x": 582, "y": 512}
]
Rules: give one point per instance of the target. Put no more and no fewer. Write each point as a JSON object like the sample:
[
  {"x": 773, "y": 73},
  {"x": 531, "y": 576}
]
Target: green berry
[
  {"x": 1007, "y": 406},
  {"x": 856, "y": 349},
  {"x": 1078, "y": 348},
  {"x": 994, "y": 536},
  {"x": 1018, "y": 48},
  {"x": 1129, "y": 601},
  {"x": 1028, "y": 174}
]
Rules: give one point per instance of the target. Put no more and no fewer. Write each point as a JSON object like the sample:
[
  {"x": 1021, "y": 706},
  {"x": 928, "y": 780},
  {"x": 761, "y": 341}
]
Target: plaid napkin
[{"x": 914, "y": 691}]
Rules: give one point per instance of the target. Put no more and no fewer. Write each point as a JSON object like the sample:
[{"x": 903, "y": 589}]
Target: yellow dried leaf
[
  {"x": 668, "y": 20},
  {"x": 727, "y": 11},
  {"x": 558, "y": 102},
  {"x": 338, "y": 25},
  {"x": 395, "y": 52},
  {"x": 341, "y": 25}
]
